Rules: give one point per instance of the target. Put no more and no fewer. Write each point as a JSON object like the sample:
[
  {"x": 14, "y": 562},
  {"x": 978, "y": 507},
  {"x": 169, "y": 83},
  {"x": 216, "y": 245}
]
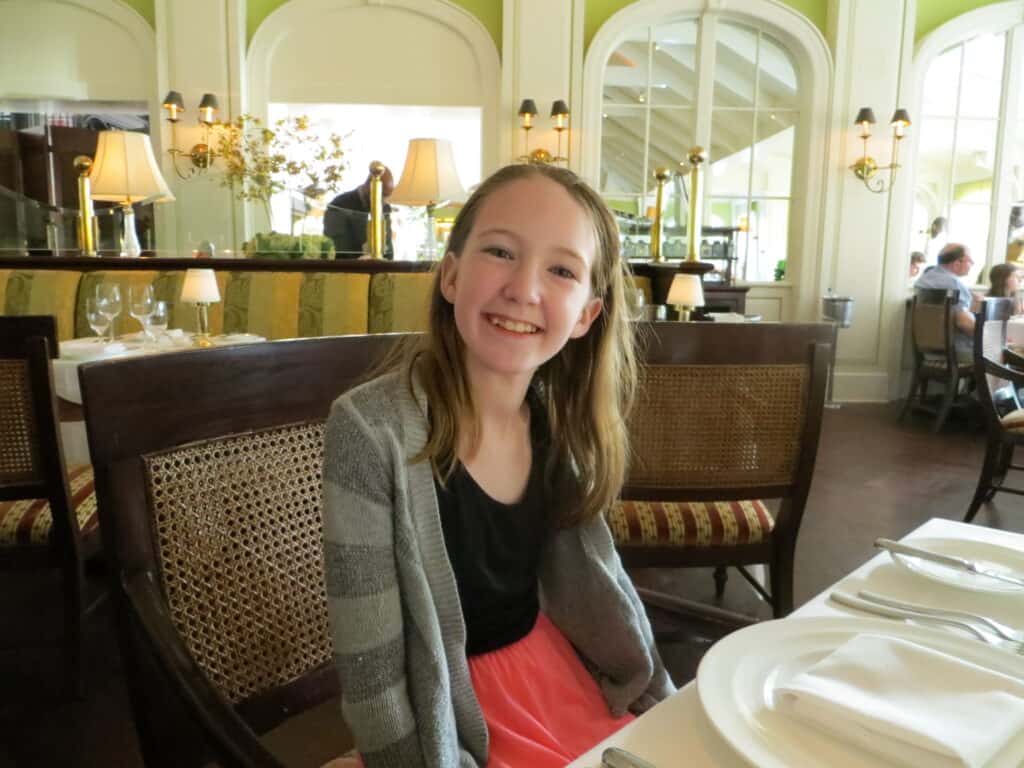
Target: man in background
[
  {"x": 954, "y": 263},
  {"x": 937, "y": 238},
  {"x": 346, "y": 217}
]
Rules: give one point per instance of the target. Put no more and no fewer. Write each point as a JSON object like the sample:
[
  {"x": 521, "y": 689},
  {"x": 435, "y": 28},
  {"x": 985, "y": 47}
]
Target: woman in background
[{"x": 1005, "y": 279}]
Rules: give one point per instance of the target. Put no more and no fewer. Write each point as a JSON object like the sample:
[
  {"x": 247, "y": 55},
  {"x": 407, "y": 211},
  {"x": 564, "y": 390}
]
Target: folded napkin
[
  {"x": 174, "y": 333},
  {"x": 909, "y": 704},
  {"x": 115, "y": 348}
]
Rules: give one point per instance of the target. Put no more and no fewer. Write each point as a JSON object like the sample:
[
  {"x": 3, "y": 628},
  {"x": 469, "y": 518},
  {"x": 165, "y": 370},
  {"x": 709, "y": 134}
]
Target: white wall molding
[
  {"x": 813, "y": 60},
  {"x": 296, "y": 15}
]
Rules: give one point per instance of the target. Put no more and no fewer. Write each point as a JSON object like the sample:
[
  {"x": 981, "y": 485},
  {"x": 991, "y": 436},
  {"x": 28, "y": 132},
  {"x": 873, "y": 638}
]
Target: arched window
[
  {"x": 743, "y": 106},
  {"x": 970, "y": 149}
]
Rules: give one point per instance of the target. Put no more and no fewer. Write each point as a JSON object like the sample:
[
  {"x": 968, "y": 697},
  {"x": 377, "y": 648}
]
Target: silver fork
[
  {"x": 1005, "y": 632},
  {"x": 844, "y": 598}
]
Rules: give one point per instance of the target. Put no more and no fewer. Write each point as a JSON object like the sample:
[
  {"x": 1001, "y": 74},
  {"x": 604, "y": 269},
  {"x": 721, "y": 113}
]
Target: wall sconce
[
  {"x": 560, "y": 114},
  {"x": 201, "y": 154},
  {"x": 865, "y": 168}
]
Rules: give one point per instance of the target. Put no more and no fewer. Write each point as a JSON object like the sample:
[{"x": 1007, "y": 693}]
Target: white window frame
[
  {"x": 813, "y": 61},
  {"x": 1007, "y": 17}
]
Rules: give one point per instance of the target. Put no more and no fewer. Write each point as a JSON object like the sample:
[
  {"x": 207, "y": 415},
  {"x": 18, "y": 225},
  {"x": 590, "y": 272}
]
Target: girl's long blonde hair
[{"x": 587, "y": 388}]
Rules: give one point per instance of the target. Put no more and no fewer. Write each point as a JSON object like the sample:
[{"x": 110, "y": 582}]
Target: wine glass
[
  {"x": 98, "y": 321},
  {"x": 158, "y": 318},
  {"x": 140, "y": 306},
  {"x": 108, "y": 301}
]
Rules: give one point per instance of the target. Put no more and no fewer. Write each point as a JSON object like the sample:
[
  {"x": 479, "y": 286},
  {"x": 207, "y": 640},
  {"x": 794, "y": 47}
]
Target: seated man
[
  {"x": 954, "y": 263},
  {"x": 345, "y": 218}
]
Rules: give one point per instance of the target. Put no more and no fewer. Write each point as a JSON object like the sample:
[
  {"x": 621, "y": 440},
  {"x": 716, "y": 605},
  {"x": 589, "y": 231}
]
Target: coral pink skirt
[{"x": 541, "y": 705}]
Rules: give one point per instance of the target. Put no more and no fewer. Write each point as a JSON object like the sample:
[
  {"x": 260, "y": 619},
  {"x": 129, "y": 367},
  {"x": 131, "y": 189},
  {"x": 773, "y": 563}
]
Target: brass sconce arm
[
  {"x": 866, "y": 167},
  {"x": 560, "y": 116},
  {"x": 201, "y": 154}
]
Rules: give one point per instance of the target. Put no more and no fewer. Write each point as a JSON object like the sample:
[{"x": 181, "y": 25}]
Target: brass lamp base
[
  {"x": 684, "y": 313},
  {"x": 202, "y": 337}
]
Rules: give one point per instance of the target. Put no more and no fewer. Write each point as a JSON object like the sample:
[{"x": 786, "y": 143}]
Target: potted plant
[{"x": 260, "y": 161}]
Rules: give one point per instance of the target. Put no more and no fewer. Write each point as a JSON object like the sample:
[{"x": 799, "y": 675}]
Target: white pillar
[
  {"x": 873, "y": 64},
  {"x": 200, "y": 48},
  {"x": 542, "y": 59}
]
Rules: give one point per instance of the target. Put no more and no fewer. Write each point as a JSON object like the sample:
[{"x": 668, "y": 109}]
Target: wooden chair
[
  {"x": 47, "y": 514},
  {"x": 998, "y": 379},
  {"x": 727, "y": 417},
  {"x": 208, "y": 470},
  {"x": 932, "y": 332}
]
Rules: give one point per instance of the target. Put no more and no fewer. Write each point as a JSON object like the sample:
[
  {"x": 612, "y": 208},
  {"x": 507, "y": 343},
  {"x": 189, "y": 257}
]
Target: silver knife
[
  {"x": 948, "y": 560},
  {"x": 616, "y": 757}
]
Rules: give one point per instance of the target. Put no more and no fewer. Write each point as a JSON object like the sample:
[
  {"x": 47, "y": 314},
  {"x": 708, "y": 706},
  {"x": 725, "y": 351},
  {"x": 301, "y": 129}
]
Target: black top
[{"x": 494, "y": 550}]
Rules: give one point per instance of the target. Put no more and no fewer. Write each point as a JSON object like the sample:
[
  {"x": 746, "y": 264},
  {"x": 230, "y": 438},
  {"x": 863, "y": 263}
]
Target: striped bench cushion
[
  {"x": 28, "y": 522},
  {"x": 690, "y": 523}
]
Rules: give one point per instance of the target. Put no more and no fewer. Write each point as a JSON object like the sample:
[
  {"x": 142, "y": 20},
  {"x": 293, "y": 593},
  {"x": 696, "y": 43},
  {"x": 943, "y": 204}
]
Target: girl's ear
[
  {"x": 587, "y": 317},
  {"x": 449, "y": 267}
]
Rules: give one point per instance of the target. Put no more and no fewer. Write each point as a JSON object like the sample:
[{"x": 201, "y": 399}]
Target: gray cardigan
[{"x": 395, "y": 618}]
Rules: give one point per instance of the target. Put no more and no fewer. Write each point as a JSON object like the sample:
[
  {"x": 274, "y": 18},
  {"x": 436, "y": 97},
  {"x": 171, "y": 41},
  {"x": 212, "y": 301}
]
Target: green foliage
[
  {"x": 259, "y": 161},
  {"x": 272, "y": 245}
]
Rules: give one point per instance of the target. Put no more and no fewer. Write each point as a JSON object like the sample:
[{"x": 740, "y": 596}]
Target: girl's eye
[
  {"x": 564, "y": 272},
  {"x": 498, "y": 251}
]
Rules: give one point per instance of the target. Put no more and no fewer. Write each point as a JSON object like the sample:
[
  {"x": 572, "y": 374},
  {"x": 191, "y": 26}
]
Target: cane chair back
[
  {"x": 727, "y": 417},
  {"x": 47, "y": 515},
  {"x": 209, "y": 475},
  {"x": 933, "y": 335},
  {"x": 932, "y": 321}
]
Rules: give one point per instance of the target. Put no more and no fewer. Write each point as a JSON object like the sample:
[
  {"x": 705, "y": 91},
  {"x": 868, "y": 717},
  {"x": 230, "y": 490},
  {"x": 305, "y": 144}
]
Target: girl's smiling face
[{"x": 521, "y": 288}]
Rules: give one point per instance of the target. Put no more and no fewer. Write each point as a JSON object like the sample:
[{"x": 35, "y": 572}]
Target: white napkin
[
  {"x": 175, "y": 333},
  {"x": 912, "y": 705}
]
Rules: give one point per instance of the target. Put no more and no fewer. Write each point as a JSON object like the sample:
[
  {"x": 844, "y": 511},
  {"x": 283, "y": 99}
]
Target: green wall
[
  {"x": 932, "y": 14},
  {"x": 144, "y": 8},
  {"x": 597, "y": 12},
  {"x": 488, "y": 12}
]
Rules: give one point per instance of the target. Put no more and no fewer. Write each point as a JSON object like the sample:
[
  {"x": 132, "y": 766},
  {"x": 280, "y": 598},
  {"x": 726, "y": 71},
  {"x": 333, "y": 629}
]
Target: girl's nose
[{"x": 523, "y": 283}]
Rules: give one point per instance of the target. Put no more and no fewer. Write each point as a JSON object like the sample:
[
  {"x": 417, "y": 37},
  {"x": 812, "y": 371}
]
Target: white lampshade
[
  {"x": 429, "y": 176},
  {"x": 686, "y": 291},
  {"x": 200, "y": 287},
  {"x": 125, "y": 170}
]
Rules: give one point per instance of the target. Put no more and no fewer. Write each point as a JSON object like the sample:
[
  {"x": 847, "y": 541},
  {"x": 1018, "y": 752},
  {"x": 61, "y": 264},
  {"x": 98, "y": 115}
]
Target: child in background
[{"x": 469, "y": 568}]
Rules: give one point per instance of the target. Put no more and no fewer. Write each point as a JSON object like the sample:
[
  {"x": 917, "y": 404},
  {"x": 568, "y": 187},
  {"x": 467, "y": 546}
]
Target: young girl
[{"x": 479, "y": 613}]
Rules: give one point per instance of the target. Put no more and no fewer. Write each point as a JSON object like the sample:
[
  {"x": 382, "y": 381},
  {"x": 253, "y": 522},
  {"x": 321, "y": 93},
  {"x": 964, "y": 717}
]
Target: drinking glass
[
  {"x": 158, "y": 318},
  {"x": 140, "y": 306},
  {"x": 108, "y": 301},
  {"x": 98, "y": 321}
]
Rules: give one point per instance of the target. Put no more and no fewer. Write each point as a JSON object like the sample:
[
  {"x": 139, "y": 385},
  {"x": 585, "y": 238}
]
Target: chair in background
[
  {"x": 997, "y": 383},
  {"x": 727, "y": 417},
  {"x": 47, "y": 514},
  {"x": 932, "y": 333},
  {"x": 208, "y": 470}
]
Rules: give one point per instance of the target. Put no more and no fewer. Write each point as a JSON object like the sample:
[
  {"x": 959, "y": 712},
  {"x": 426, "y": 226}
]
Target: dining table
[
  {"x": 73, "y": 352},
  {"x": 679, "y": 731}
]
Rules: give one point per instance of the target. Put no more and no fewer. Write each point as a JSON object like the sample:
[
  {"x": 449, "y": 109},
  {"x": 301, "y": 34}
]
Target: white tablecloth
[
  {"x": 1015, "y": 331},
  {"x": 677, "y": 732},
  {"x": 77, "y": 351}
]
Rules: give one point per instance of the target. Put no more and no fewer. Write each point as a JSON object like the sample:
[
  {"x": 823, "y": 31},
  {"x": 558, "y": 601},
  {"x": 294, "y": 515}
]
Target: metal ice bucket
[{"x": 838, "y": 309}]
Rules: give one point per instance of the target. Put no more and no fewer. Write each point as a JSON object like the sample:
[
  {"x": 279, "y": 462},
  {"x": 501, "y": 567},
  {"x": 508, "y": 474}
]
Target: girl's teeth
[{"x": 511, "y": 325}]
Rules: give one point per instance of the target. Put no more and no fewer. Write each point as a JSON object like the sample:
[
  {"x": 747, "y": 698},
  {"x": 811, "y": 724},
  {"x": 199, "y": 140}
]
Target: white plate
[
  {"x": 737, "y": 675},
  {"x": 988, "y": 556}
]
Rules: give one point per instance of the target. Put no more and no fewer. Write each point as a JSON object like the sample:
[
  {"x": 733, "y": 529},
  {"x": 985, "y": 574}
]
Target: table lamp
[
  {"x": 200, "y": 288},
  {"x": 429, "y": 179},
  {"x": 125, "y": 171},
  {"x": 685, "y": 293}
]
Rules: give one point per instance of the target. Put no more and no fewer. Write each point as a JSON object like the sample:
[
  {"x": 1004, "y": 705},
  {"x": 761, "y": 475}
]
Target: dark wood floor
[{"x": 874, "y": 477}]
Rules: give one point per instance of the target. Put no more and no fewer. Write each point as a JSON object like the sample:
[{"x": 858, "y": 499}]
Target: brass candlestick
[
  {"x": 87, "y": 224},
  {"x": 661, "y": 175},
  {"x": 375, "y": 226},
  {"x": 695, "y": 159}
]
